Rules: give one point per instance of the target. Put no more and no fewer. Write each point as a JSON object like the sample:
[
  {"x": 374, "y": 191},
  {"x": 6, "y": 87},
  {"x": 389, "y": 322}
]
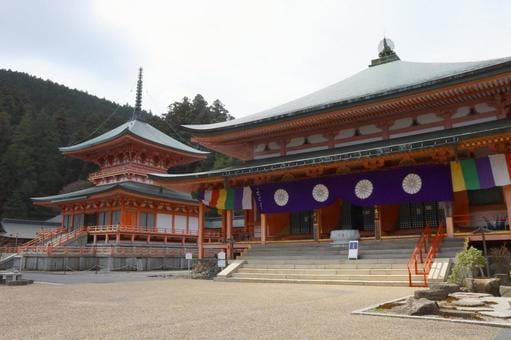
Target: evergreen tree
[
  {"x": 34, "y": 157},
  {"x": 5, "y": 132},
  {"x": 37, "y": 116}
]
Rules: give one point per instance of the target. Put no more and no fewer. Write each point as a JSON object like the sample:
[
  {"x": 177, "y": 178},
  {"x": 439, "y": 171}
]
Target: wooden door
[{"x": 130, "y": 217}]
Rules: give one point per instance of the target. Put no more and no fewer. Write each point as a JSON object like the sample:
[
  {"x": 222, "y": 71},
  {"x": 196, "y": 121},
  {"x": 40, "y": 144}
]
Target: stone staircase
[{"x": 380, "y": 263}]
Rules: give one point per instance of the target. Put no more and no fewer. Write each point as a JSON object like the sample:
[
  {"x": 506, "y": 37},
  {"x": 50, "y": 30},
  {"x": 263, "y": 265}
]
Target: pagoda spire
[{"x": 138, "y": 98}]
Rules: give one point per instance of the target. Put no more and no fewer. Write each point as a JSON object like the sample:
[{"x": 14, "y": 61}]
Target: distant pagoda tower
[{"x": 133, "y": 150}]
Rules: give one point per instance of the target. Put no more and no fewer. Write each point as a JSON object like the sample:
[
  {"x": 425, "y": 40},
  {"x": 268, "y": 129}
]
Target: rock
[
  {"x": 504, "y": 314},
  {"x": 449, "y": 313},
  {"x": 505, "y": 291},
  {"x": 419, "y": 307},
  {"x": 461, "y": 295},
  {"x": 488, "y": 286},
  {"x": 340, "y": 237},
  {"x": 205, "y": 269},
  {"x": 431, "y": 294},
  {"x": 468, "y": 302},
  {"x": 446, "y": 286},
  {"x": 504, "y": 279},
  {"x": 475, "y": 309}
]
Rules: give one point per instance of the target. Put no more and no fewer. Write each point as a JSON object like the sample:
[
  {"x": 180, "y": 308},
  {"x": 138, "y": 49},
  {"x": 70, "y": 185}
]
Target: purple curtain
[{"x": 403, "y": 185}]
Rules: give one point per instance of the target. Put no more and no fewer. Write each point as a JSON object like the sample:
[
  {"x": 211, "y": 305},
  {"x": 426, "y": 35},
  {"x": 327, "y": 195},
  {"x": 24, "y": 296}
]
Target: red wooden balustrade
[{"x": 423, "y": 254}]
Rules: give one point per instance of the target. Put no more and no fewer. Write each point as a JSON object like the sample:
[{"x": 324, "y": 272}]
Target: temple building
[
  {"x": 125, "y": 206},
  {"x": 388, "y": 151}
]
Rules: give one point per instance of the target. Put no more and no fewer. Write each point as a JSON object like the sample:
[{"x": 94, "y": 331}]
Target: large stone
[
  {"x": 340, "y": 237},
  {"x": 431, "y": 294},
  {"x": 468, "y": 302},
  {"x": 504, "y": 279},
  {"x": 505, "y": 291},
  {"x": 445, "y": 286},
  {"x": 462, "y": 295},
  {"x": 421, "y": 307},
  {"x": 488, "y": 286},
  {"x": 503, "y": 314}
]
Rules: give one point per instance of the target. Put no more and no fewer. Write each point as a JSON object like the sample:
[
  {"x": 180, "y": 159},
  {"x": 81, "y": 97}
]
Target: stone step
[
  {"x": 329, "y": 282},
  {"x": 389, "y": 256},
  {"x": 328, "y": 251},
  {"x": 353, "y": 271},
  {"x": 315, "y": 276},
  {"x": 359, "y": 265}
]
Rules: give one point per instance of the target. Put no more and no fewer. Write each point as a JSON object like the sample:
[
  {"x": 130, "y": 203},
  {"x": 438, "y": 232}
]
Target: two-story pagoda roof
[{"x": 138, "y": 129}]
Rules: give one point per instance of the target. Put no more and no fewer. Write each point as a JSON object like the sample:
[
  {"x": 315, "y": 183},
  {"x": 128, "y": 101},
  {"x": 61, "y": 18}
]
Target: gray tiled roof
[
  {"x": 24, "y": 229},
  {"x": 374, "y": 82},
  {"x": 135, "y": 187},
  {"x": 139, "y": 129}
]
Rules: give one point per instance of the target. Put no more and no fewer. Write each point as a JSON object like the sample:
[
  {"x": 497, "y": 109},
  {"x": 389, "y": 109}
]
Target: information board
[{"x": 353, "y": 250}]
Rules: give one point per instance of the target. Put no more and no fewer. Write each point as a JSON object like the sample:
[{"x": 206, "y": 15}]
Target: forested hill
[{"x": 37, "y": 116}]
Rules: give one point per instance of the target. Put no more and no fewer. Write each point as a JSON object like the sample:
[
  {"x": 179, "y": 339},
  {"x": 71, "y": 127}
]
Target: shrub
[
  {"x": 467, "y": 261},
  {"x": 502, "y": 259}
]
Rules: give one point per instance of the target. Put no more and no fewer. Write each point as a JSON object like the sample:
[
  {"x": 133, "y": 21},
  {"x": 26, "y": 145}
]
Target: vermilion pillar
[
  {"x": 507, "y": 197},
  {"x": 228, "y": 231},
  {"x": 200, "y": 235},
  {"x": 377, "y": 222},
  {"x": 263, "y": 228}
]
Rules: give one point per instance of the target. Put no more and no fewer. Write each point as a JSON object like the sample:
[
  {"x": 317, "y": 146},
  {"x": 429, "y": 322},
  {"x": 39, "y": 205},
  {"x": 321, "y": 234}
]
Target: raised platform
[{"x": 380, "y": 263}]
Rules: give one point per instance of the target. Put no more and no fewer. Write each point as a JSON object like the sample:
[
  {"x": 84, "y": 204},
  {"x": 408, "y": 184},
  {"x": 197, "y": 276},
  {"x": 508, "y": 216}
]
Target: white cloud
[{"x": 250, "y": 54}]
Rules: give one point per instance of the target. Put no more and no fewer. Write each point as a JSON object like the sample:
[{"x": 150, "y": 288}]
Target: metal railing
[{"x": 423, "y": 255}]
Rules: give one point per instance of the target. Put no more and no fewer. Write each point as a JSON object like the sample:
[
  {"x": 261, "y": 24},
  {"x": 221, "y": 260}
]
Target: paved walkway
[{"x": 181, "y": 308}]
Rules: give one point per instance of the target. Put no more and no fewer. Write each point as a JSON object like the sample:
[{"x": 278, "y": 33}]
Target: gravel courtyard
[{"x": 182, "y": 308}]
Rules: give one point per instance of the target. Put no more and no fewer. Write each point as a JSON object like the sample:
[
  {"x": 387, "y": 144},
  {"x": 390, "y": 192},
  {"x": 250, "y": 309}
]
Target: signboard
[
  {"x": 353, "y": 250},
  {"x": 188, "y": 256},
  {"x": 221, "y": 259}
]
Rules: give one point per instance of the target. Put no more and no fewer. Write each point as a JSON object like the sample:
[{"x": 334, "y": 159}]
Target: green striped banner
[
  {"x": 229, "y": 200},
  {"x": 469, "y": 169}
]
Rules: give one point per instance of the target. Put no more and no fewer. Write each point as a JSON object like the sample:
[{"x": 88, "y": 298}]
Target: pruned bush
[{"x": 467, "y": 263}]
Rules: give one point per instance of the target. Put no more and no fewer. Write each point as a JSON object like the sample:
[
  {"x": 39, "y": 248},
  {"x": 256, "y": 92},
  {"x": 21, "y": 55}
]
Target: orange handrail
[{"x": 424, "y": 253}]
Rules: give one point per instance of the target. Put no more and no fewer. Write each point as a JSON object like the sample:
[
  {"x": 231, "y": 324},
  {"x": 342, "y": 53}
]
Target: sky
[{"x": 251, "y": 55}]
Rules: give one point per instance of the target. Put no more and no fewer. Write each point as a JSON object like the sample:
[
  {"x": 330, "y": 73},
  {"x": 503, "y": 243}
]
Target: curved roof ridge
[
  {"x": 383, "y": 79},
  {"x": 140, "y": 129}
]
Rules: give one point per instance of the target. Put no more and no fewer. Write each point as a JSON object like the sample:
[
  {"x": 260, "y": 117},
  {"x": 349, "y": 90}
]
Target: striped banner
[
  {"x": 481, "y": 173},
  {"x": 232, "y": 198}
]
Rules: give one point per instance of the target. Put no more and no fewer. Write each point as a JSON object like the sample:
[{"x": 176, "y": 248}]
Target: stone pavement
[{"x": 194, "y": 309}]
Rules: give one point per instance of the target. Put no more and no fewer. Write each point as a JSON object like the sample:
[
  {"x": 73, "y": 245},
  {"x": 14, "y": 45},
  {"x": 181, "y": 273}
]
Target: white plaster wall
[
  {"x": 269, "y": 155},
  {"x": 369, "y": 129},
  {"x": 363, "y": 141},
  {"x": 429, "y": 118},
  {"x": 483, "y": 108},
  {"x": 416, "y": 132},
  {"x": 401, "y": 123},
  {"x": 317, "y": 148},
  {"x": 475, "y": 121},
  {"x": 273, "y": 146},
  {"x": 461, "y": 112},
  {"x": 296, "y": 142},
  {"x": 259, "y": 147},
  {"x": 318, "y": 138},
  {"x": 346, "y": 133}
]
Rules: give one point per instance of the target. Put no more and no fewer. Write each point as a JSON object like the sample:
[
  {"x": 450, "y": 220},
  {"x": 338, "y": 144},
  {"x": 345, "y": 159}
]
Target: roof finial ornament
[
  {"x": 138, "y": 98},
  {"x": 386, "y": 53}
]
